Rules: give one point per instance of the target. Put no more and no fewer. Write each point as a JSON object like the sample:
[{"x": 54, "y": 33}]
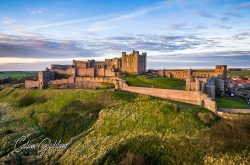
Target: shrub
[
  {"x": 106, "y": 85},
  {"x": 42, "y": 99},
  {"x": 230, "y": 135},
  {"x": 77, "y": 106},
  {"x": 26, "y": 100},
  {"x": 105, "y": 98},
  {"x": 5, "y": 132},
  {"x": 137, "y": 159},
  {"x": 53, "y": 86},
  {"x": 125, "y": 96},
  {"x": 231, "y": 129},
  {"x": 16, "y": 94},
  {"x": 176, "y": 108},
  {"x": 206, "y": 117},
  {"x": 42, "y": 119},
  {"x": 61, "y": 76}
]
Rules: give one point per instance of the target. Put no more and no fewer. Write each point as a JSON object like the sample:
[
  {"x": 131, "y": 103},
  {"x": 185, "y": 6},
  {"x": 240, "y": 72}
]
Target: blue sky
[{"x": 174, "y": 33}]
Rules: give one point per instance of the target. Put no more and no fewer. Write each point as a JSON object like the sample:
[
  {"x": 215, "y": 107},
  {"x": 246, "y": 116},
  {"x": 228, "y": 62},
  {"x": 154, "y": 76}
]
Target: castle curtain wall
[
  {"x": 220, "y": 70},
  {"x": 192, "y": 97},
  {"x": 85, "y": 72}
]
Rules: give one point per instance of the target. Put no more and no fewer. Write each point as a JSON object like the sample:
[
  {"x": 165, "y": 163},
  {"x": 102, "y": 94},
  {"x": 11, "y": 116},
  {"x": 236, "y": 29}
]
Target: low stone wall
[
  {"x": 208, "y": 102},
  {"x": 62, "y": 81},
  {"x": 69, "y": 71},
  {"x": 86, "y": 72},
  {"x": 94, "y": 80},
  {"x": 190, "y": 97},
  {"x": 110, "y": 73},
  {"x": 231, "y": 116},
  {"x": 232, "y": 110},
  {"x": 87, "y": 84},
  {"x": 29, "y": 84},
  {"x": 178, "y": 95}
]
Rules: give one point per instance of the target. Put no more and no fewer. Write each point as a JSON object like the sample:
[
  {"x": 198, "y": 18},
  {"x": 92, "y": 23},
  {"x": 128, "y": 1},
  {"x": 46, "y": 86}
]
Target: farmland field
[
  {"x": 16, "y": 74},
  {"x": 156, "y": 82},
  {"x": 242, "y": 73},
  {"x": 110, "y": 127}
]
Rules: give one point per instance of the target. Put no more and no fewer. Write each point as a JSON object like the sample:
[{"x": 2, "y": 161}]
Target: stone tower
[
  {"x": 134, "y": 63},
  {"x": 221, "y": 70}
]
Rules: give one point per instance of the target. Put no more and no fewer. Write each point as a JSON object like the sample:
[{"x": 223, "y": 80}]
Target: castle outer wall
[{"x": 220, "y": 71}]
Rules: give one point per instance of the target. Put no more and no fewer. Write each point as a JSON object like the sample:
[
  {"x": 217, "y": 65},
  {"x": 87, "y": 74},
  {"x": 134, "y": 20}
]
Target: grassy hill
[
  {"x": 115, "y": 127},
  {"x": 236, "y": 102},
  {"x": 156, "y": 82}
]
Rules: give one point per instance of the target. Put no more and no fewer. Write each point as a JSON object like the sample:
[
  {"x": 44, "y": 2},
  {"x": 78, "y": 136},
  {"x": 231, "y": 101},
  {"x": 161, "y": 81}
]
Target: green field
[
  {"x": 242, "y": 73},
  {"x": 110, "y": 127},
  {"x": 156, "y": 82},
  {"x": 16, "y": 74},
  {"x": 227, "y": 102}
]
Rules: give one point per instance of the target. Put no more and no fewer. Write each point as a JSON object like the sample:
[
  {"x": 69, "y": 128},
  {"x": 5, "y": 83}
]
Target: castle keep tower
[
  {"x": 221, "y": 70},
  {"x": 134, "y": 63}
]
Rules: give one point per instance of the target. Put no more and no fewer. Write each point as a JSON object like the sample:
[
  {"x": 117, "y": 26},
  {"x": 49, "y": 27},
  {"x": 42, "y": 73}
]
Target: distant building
[{"x": 211, "y": 86}]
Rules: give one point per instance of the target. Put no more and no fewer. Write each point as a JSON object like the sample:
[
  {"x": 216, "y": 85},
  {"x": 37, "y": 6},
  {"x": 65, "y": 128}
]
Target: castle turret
[{"x": 123, "y": 54}]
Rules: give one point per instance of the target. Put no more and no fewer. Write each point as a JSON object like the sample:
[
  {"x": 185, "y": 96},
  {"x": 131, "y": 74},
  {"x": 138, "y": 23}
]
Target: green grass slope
[
  {"x": 145, "y": 127},
  {"x": 226, "y": 102},
  {"x": 156, "y": 82},
  {"x": 115, "y": 127}
]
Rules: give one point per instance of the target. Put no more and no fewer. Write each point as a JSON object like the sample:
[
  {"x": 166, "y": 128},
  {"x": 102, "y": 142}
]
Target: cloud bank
[{"x": 170, "y": 51}]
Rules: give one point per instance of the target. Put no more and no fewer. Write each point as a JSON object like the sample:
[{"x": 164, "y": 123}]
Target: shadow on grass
[
  {"x": 73, "y": 119},
  {"x": 152, "y": 150},
  {"x": 29, "y": 99},
  {"x": 123, "y": 95}
]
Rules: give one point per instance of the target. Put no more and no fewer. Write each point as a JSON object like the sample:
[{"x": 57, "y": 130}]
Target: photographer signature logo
[{"x": 42, "y": 148}]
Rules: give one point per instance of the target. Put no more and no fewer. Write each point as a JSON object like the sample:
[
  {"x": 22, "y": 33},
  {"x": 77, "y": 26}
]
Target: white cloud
[
  {"x": 8, "y": 21},
  {"x": 102, "y": 21},
  {"x": 243, "y": 5},
  {"x": 117, "y": 20},
  {"x": 10, "y": 60},
  {"x": 39, "y": 10},
  {"x": 67, "y": 22}
]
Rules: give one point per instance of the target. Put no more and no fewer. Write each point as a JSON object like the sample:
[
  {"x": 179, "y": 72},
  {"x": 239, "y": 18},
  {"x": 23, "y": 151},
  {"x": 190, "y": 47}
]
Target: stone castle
[
  {"x": 201, "y": 85},
  {"x": 133, "y": 63},
  {"x": 88, "y": 73}
]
